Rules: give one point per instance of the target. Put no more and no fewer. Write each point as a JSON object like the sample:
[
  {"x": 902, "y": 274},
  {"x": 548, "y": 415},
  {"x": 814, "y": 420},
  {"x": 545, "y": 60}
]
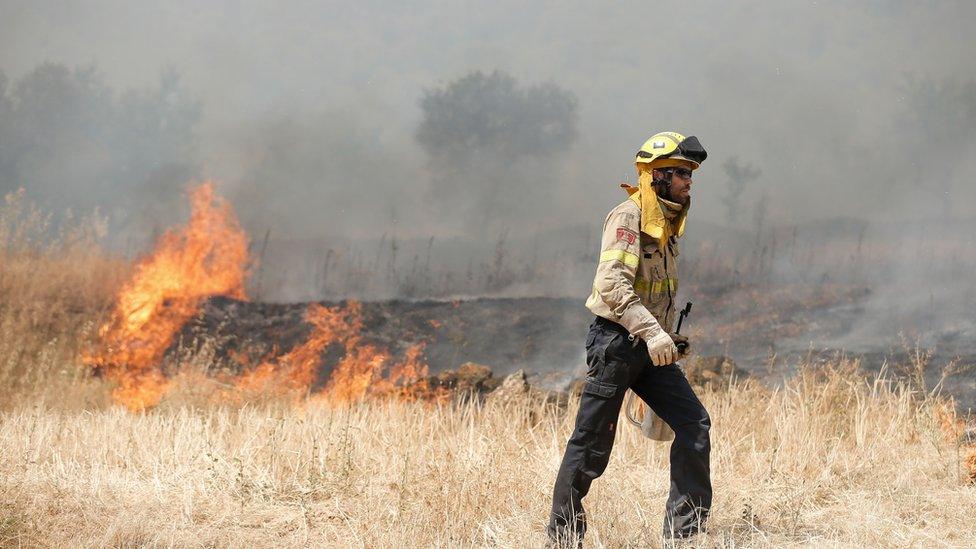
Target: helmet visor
[{"x": 692, "y": 149}]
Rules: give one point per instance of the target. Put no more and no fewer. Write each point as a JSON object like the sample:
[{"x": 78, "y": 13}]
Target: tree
[
  {"x": 73, "y": 142},
  {"x": 494, "y": 137},
  {"x": 493, "y": 114},
  {"x": 939, "y": 131},
  {"x": 739, "y": 174}
]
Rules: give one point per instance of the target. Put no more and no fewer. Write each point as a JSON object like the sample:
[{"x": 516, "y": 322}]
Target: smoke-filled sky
[{"x": 309, "y": 111}]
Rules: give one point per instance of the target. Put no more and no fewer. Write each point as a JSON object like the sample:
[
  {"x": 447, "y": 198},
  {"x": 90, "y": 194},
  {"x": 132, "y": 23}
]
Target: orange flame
[
  {"x": 952, "y": 426},
  {"x": 206, "y": 257},
  {"x": 970, "y": 462},
  {"x": 364, "y": 370}
]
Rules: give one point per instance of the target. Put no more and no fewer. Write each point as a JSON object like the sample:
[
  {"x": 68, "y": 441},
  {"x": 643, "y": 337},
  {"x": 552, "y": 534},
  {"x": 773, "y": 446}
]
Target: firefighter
[{"x": 629, "y": 346}]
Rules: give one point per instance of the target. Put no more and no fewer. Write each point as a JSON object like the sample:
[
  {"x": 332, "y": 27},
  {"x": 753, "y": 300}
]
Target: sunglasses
[{"x": 683, "y": 173}]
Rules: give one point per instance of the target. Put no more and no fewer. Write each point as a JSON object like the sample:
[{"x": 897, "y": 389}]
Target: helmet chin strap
[{"x": 664, "y": 184}]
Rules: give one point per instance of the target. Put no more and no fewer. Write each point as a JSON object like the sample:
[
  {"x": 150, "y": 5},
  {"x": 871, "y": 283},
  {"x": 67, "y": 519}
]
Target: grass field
[
  {"x": 831, "y": 457},
  {"x": 828, "y": 459}
]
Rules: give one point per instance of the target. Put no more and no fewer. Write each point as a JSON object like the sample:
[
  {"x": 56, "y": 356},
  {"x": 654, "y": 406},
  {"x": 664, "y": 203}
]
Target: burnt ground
[
  {"x": 544, "y": 336},
  {"x": 534, "y": 334}
]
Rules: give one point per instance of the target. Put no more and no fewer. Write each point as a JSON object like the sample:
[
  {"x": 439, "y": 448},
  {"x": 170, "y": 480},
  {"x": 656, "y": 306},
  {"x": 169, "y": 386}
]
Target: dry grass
[
  {"x": 828, "y": 459},
  {"x": 55, "y": 285}
]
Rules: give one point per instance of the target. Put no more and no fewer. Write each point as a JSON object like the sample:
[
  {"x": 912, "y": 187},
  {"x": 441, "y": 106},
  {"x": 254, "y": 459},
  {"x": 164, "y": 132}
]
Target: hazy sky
[{"x": 822, "y": 96}]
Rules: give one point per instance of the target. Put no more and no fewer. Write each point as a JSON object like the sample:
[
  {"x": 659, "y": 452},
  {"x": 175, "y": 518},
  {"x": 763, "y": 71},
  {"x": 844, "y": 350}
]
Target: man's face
[{"x": 680, "y": 190}]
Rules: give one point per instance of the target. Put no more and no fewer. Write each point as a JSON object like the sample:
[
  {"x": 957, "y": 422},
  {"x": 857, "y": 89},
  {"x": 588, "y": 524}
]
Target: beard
[{"x": 664, "y": 191}]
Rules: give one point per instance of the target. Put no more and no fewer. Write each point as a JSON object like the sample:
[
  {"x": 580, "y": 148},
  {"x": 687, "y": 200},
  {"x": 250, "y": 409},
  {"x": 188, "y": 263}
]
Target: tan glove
[{"x": 662, "y": 350}]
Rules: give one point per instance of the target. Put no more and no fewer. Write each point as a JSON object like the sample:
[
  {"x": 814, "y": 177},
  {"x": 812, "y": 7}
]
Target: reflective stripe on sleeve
[{"x": 626, "y": 258}]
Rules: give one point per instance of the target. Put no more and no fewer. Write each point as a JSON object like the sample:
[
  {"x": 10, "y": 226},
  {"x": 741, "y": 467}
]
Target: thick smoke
[
  {"x": 494, "y": 147},
  {"x": 75, "y": 143},
  {"x": 846, "y": 109},
  {"x": 363, "y": 138},
  {"x": 739, "y": 175}
]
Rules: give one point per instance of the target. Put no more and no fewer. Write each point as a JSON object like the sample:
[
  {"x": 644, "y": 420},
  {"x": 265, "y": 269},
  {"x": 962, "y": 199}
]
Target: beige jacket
[{"x": 635, "y": 281}]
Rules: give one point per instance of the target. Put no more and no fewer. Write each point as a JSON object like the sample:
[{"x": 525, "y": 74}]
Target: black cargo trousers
[{"x": 615, "y": 364}]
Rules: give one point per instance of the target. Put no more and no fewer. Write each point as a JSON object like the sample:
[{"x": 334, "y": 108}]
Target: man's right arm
[{"x": 614, "y": 281}]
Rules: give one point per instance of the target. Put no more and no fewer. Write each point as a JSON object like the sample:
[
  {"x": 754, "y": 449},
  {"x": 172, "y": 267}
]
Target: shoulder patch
[{"x": 626, "y": 235}]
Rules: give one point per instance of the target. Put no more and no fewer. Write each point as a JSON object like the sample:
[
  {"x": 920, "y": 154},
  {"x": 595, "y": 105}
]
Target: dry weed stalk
[
  {"x": 826, "y": 459},
  {"x": 55, "y": 283}
]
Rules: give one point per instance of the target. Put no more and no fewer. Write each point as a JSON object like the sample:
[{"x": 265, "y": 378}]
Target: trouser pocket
[
  {"x": 603, "y": 367},
  {"x": 599, "y": 388},
  {"x": 596, "y": 426}
]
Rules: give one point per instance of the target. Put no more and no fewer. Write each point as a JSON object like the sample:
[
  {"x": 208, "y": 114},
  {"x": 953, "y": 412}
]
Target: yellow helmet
[{"x": 670, "y": 149}]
